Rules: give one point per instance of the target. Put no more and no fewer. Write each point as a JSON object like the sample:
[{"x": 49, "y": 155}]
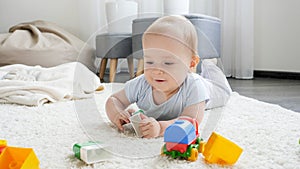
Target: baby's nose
[{"x": 157, "y": 71}]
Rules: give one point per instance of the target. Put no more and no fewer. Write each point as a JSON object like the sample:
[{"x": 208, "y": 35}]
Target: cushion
[{"x": 43, "y": 43}]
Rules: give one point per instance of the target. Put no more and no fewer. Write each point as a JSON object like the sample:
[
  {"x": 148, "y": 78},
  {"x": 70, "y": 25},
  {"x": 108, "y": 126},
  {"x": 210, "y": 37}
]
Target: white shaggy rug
[{"x": 269, "y": 134}]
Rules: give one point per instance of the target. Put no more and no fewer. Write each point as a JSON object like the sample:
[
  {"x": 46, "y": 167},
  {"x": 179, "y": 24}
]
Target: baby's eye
[
  {"x": 169, "y": 63},
  {"x": 149, "y": 63}
]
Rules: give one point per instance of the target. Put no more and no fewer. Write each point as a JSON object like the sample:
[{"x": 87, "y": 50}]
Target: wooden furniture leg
[
  {"x": 102, "y": 69},
  {"x": 130, "y": 66},
  {"x": 140, "y": 67},
  {"x": 113, "y": 68}
]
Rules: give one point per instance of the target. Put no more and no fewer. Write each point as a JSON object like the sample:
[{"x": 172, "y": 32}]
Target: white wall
[
  {"x": 277, "y": 35},
  {"x": 80, "y": 17},
  {"x": 63, "y": 12}
]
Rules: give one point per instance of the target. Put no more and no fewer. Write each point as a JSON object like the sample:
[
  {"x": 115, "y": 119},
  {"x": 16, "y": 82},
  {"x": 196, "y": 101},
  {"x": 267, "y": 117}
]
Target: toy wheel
[{"x": 193, "y": 155}]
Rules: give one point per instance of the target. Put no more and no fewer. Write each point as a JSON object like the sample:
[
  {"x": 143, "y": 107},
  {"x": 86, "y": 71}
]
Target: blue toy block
[{"x": 182, "y": 132}]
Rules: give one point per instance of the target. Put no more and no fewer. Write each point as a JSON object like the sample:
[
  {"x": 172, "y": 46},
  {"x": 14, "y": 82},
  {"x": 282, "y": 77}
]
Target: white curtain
[{"x": 236, "y": 16}]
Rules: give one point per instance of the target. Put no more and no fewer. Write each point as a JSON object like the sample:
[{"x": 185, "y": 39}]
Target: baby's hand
[
  {"x": 149, "y": 127},
  {"x": 122, "y": 118}
]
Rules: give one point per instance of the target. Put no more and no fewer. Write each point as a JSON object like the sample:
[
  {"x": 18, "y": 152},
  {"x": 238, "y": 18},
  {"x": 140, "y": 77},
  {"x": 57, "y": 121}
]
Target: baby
[{"x": 168, "y": 88}]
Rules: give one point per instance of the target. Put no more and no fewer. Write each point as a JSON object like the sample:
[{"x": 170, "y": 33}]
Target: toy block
[
  {"x": 18, "y": 158},
  {"x": 3, "y": 145},
  {"x": 181, "y": 131},
  {"x": 220, "y": 150},
  {"x": 92, "y": 152},
  {"x": 2, "y": 149},
  {"x": 135, "y": 121}
]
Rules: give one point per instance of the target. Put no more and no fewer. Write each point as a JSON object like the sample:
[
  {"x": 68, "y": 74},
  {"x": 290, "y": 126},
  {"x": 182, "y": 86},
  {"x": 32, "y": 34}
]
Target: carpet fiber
[{"x": 269, "y": 134}]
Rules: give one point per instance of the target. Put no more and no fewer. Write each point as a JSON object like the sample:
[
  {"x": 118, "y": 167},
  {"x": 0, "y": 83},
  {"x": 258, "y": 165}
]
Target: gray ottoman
[{"x": 113, "y": 47}]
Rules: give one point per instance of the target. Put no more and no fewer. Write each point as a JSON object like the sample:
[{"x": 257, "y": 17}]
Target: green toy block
[{"x": 92, "y": 152}]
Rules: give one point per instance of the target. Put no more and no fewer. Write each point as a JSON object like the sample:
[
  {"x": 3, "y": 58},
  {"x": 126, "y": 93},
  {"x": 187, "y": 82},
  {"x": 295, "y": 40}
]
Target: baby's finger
[
  {"x": 144, "y": 123},
  {"x": 119, "y": 125},
  {"x": 124, "y": 118},
  {"x": 145, "y": 132},
  {"x": 130, "y": 111},
  {"x": 147, "y": 136},
  {"x": 143, "y": 116},
  {"x": 125, "y": 114},
  {"x": 144, "y": 127}
]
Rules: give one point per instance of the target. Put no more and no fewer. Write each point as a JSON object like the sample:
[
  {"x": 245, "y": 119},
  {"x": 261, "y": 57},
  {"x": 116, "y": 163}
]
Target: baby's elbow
[{"x": 108, "y": 104}]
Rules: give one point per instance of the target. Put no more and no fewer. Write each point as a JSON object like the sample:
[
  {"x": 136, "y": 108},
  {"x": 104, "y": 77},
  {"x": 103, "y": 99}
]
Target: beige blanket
[
  {"x": 28, "y": 85},
  {"x": 43, "y": 43}
]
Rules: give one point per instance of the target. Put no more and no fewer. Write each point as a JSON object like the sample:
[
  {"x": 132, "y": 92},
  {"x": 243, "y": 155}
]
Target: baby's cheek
[{"x": 178, "y": 73}]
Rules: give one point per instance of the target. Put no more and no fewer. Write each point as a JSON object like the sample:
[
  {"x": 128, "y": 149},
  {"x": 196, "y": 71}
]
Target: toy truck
[{"x": 182, "y": 139}]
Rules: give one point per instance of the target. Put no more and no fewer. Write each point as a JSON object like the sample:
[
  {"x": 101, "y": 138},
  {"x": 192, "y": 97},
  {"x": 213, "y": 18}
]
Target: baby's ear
[{"x": 194, "y": 62}]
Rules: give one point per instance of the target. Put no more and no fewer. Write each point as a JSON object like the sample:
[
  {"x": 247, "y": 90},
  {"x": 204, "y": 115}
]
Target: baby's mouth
[{"x": 160, "y": 80}]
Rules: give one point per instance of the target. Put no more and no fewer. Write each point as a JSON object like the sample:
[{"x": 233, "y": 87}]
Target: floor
[{"x": 283, "y": 92}]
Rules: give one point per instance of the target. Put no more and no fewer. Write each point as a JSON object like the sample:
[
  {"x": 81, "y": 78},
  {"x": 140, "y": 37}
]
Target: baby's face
[{"x": 167, "y": 62}]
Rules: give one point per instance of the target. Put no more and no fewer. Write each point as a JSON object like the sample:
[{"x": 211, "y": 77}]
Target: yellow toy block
[
  {"x": 3, "y": 143},
  {"x": 220, "y": 150},
  {"x": 18, "y": 158}
]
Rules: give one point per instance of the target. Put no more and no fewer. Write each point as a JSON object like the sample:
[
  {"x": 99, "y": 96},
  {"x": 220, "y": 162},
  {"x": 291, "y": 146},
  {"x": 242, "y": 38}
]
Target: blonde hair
[{"x": 176, "y": 27}]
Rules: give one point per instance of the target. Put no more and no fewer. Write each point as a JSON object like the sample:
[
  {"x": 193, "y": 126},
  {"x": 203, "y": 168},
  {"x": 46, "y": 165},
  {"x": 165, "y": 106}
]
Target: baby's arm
[
  {"x": 195, "y": 111},
  {"x": 115, "y": 109},
  {"x": 152, "y": 128}
]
